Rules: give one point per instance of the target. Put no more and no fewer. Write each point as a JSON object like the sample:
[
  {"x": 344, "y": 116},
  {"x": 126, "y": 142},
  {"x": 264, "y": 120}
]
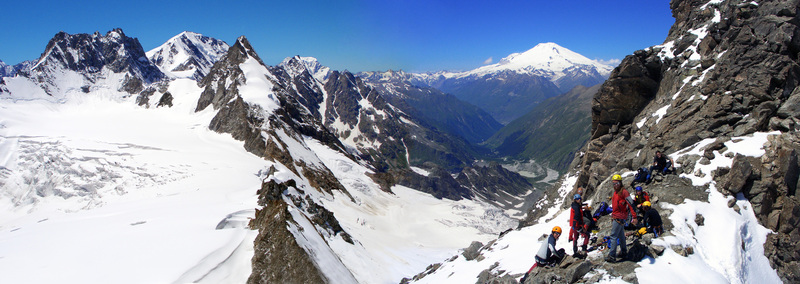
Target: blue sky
[{"x": 354, "y": 35}]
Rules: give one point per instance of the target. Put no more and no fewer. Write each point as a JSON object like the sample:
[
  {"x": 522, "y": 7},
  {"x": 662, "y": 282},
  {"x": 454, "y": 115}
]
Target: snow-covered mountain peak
[
  {"x": 73, "y": 62},
  {"x": 547, "y": 59},
  {"x": 297, "y": 64},
  {"x": 188, "y": 55}
]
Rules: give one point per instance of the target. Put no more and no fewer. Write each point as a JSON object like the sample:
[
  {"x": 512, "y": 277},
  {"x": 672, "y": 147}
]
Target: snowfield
[{"x": 95, "y": 189}]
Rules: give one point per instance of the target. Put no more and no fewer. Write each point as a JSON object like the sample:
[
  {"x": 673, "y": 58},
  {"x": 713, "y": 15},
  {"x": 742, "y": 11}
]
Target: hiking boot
[
  {"x": 623, "y": 255},
  {"x": 611, "y": 259}
]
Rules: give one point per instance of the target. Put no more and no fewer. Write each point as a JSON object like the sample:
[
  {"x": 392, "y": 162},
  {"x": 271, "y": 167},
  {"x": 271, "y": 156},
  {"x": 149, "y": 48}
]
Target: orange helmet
[{"x": 557, "y": 229}]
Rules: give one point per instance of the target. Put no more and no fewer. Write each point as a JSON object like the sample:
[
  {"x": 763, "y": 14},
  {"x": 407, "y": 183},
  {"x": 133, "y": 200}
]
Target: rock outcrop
[{"x": 726, "y": 70}]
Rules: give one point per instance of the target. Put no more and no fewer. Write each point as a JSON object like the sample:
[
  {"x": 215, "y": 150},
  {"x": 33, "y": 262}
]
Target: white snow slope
[{"x": 94, "y": 189}]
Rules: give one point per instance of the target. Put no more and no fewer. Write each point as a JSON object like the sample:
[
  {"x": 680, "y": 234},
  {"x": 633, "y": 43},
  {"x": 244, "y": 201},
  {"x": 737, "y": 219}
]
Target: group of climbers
[{"x": 632, "y": 212}]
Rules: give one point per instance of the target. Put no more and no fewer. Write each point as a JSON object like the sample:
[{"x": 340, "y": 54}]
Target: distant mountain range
[
  {"x": 444, "y": 111},
  {"x": 11, "y": 70},
  {"x": 520, "y": 81}
]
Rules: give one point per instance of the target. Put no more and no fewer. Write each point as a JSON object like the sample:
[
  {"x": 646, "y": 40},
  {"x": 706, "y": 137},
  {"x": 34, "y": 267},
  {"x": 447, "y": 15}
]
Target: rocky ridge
[
  {"x": 11, "y": 70},
  {"x": 110, "y": 60},
  {"x": 443, "y": 111},
  {"x": 726, "y": 70}
]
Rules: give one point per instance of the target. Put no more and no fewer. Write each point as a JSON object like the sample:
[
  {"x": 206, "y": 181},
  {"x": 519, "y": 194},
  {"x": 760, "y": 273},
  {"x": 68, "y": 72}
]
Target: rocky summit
[{"x": 94, "y": 57}]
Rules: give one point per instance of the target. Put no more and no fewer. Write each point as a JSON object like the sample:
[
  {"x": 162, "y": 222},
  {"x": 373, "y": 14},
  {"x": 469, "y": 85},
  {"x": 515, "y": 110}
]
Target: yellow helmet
[
  {"x": 616, "y": 177},
  {"x": 646, "y": 203},
  {"x": 642, "y": 231},
  {"x": 557, "y": 229}
]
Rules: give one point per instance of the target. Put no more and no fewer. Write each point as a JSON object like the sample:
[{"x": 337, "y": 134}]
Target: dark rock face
[
  {"x": 114, "y": 51},
  {"x": 227, "y": 67},
  {"x": 629, "y": 88},
  {"x": 277, "y": 257},
  {"x": 741, "y": 77}
]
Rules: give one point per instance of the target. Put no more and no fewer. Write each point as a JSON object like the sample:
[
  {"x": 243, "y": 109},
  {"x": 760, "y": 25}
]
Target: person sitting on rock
[
  {"x": 652, "y": 221},
  {"x": 577, "y": 226},
  {"x": 622, "y": 207},
  {"x": 548, "y": 255},
  {"x": 639, "y": 197},
  {"x": 662, "y": 164}
]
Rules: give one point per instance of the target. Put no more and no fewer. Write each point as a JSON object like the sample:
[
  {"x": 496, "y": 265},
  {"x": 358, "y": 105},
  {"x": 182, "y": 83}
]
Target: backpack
[
  {"x": 589, "y": 221},
  {"x": 642, "y": 175},
  {"x": 602, "y": 210},
  {"x": 636, "y": 251}
]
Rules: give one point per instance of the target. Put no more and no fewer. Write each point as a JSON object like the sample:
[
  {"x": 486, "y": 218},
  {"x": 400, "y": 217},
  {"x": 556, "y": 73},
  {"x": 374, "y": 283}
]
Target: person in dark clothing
[
  {"x": 661, "y": 164},
  {"x": 577, "y": 226},
  {"x": 652, "y": 221}
]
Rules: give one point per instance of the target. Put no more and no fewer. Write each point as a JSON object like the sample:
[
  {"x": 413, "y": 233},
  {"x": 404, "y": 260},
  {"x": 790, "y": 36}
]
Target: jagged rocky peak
[
  {"x": 297, "y": 64},
  {"x": 188, "y": 55},
  {"x": 223, "y": 81},
  {"x": 91, "y": 56},
  {"x": 91, "y": 53}
]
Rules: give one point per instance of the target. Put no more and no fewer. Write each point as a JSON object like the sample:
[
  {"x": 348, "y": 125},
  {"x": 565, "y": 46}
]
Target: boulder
[
  {"x": 738, "y": 175},
  {"x": 473, "y": 251}
]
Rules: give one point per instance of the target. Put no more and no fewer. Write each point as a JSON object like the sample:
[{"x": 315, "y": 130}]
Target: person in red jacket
[
  {"x": 622, "y": 207},
  {"x": 639, "y": 197},
  {"x": 577, "y": 227}
]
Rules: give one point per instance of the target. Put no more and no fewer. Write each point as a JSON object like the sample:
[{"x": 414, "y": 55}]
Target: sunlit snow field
[{"x": 95, "y": 189}]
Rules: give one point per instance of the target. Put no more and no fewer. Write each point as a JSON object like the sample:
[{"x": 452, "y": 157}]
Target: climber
[
  {"x": 547, "y": 255},
  {"x": 577, "y": 227},
  {"x": 622, "y": 207},
  {"x": 652, "y": 221},
  {"x": 639, "y": 197},
  {"x": 589, "y": 220},
  {"x": 662, "y": 164}
]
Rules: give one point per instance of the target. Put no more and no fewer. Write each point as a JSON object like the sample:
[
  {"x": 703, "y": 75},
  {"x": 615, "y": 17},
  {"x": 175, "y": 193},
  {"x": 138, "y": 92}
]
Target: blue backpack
[{"x": 602, "y": 210}]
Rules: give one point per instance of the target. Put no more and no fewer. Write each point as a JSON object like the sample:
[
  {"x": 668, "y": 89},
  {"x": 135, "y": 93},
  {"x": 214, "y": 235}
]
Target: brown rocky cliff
[{"x": 726, "y": 70}]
